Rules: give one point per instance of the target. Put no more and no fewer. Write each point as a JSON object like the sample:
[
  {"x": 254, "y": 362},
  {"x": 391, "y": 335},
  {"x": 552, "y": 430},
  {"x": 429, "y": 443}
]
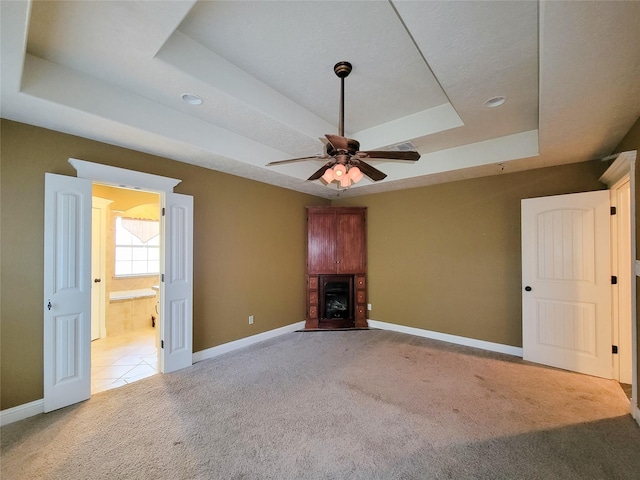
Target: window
[{"x": 137, "y": 247}]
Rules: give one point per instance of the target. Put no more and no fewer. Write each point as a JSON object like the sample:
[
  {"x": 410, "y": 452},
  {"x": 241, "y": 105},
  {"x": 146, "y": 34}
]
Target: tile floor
[{"x": 122, "y": 359}]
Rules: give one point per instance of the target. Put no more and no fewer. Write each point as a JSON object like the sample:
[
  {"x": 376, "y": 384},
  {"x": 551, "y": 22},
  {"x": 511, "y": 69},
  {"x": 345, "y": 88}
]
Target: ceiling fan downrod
[{"x": 342, "y": 69}]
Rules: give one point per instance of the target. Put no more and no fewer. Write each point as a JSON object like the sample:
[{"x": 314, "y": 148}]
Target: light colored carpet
[{"x": 337, "y": 405}]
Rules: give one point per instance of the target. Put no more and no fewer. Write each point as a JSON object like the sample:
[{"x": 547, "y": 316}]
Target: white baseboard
[
  {"x": 245, "y": 342},
  {"x": 21, "y": 412},
  {"x": 27, "y": 410},
  {"x": 445, "y": 337}
]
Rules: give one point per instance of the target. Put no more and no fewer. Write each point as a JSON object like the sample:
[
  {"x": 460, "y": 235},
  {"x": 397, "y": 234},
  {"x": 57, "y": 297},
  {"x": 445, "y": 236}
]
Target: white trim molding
[
  {"x": 121, "y": 177},
  {"x": 21, "y": 412},
  {"x": 245, "y": 342},
  {"x": 622, "y": 165},
  {"x": 635, "y": 411},
  {"x": 445, "y": 337}
]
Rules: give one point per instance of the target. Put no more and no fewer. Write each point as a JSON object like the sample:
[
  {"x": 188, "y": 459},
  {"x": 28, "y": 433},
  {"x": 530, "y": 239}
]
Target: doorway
[
  {"x": 620, "y": 178},
  {"x": 67, "y": 277},
  {"x": 125, "y": 269},
  {"x": 622, "y": 291}
]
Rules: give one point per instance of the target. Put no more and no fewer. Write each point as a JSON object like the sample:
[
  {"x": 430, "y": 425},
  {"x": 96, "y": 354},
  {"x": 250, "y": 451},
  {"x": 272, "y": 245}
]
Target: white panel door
[
  {"x": 98, "y": 266},
  {"x": 176, "y": 314},
  {"x": 96, "y": 273},
  {"x": 566, "y": 275},
  {"x": 67, "y": 291}
]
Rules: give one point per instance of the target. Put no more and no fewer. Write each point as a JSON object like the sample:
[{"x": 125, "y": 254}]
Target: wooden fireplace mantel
[{"x": 336, "y": 249}]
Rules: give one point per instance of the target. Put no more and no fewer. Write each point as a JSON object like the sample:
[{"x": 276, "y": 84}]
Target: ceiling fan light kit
[
  {"x": 346, "y": 164},
  {"x": 355, "y": 174},
  {"x": 345, "y": 175}
]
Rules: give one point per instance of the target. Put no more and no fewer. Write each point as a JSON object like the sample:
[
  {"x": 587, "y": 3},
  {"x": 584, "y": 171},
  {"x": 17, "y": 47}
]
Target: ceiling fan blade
[
  {"x": 338, "y": 142},
  {"x": 291, "y": 160},
  {"x": 389, "y": 155},
  {"x": 320, "y": 171},
  {"x": 371, "y": 172}
]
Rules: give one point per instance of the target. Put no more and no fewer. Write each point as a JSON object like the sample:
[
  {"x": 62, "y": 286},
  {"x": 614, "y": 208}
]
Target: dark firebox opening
[
  {"x": 336, "y": 297},
  {"x": 336, "y": 300}
]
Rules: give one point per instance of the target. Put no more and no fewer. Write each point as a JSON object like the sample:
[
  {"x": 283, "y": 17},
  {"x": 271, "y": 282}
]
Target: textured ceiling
[{"x": 115, "y": 72}]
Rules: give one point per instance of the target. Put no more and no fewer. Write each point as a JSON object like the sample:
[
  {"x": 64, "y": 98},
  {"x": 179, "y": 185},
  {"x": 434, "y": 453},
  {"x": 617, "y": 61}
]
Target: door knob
[
  {"x": 97, "y": 280},
  {"x": 528, "y": 288}
]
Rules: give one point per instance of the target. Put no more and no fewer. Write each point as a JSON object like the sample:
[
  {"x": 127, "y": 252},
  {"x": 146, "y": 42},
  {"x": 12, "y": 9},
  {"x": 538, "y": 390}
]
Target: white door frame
[
  {"x": 123, "y": 178},
  {"x": 621, "y": 267},
  {"x": 625, "y": 164}
]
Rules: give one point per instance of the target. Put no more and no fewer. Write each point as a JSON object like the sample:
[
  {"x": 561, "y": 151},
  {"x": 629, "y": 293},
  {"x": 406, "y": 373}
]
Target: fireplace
[
  {"x": 336, "y": 301},
  {"x": 336, "y": 273}
]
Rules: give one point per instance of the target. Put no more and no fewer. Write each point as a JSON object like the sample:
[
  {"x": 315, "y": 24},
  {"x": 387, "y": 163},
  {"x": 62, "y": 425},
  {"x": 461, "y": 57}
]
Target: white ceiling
[{"x": 114, "y": 71}]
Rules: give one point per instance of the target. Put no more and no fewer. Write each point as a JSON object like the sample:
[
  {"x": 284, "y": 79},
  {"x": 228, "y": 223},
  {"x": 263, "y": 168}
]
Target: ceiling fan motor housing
[{"x": 353, "y": 146}]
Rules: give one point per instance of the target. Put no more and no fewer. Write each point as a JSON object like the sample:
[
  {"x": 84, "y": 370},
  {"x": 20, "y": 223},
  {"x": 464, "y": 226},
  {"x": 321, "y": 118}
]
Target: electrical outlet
[
  {"x": 369, "y": 307},
  {"x": 250, "y": 319}
]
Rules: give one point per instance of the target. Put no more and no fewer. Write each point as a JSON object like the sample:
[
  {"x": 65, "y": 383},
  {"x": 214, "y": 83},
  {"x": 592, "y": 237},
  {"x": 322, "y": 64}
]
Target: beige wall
[
  {"x": 249, "y": 246},
  {"x": 631, "y": 141},
  {"x": 444, "y": 257},
  {"x": 447, "y": 257}
]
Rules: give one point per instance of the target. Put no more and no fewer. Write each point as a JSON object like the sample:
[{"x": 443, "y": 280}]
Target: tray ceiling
[{"x": 422, "y": 72}]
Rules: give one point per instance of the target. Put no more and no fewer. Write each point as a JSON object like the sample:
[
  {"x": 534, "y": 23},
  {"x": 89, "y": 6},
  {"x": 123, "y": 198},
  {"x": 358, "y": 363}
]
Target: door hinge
[
  {"x": 163, "y": 211},
  {"x": 162, "y": 278},
  {"x": 614, "y": 280},
  {"x": 613, "y": 210},
  {"x": 161, "y": 343},
  {"x": 614, "y": 349}
]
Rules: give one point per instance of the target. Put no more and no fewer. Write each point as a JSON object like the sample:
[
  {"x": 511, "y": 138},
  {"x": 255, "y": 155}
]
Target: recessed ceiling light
[
  {"x": 191, "y": 98},
  {"x": 495, "y": 101}
]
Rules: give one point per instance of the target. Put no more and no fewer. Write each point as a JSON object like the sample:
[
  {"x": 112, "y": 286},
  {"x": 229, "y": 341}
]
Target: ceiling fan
[{"x": 346, "y": 162}]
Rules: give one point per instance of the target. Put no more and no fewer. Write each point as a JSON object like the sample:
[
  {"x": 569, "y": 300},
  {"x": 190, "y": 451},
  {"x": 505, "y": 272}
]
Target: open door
[
  {"x": 67, "y": 291},
  {"x": 98, "y": 266},
  {"x": 566, "y": 275},
  {"x": 176, "y": 284}
]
